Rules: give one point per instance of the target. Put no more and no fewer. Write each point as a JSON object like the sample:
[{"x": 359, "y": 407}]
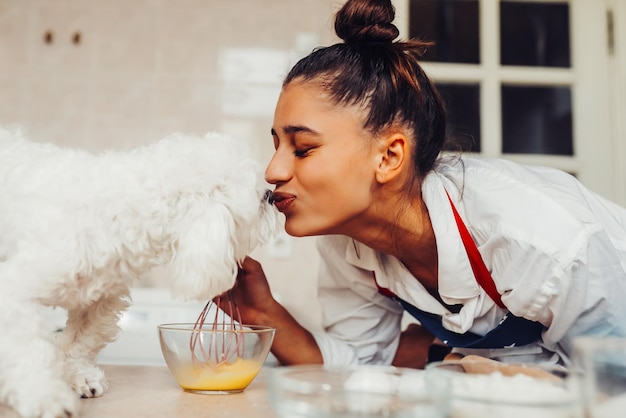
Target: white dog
[{"x": 77, "y": 229}]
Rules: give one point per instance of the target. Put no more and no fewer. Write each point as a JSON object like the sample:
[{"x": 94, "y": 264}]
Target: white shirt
[{"x": 555, "y": 250}]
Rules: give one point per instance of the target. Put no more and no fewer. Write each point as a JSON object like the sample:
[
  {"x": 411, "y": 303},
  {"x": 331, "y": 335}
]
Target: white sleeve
[
  {"x": 590, "y": 296},
  {"x": 581, "y": 292},
  {"x": 360, "y": 326}
]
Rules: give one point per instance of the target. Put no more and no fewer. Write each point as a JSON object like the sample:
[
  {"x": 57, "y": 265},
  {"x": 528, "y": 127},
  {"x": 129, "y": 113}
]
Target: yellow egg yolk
[{"x": 225, "y": 377}]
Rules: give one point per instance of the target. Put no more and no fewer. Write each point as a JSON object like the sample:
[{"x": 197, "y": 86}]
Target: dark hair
[{"x": 372, "y": 70}]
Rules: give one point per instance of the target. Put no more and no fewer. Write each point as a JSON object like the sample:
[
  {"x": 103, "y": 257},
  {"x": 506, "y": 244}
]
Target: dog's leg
[
  {"x": 31, "y": 376},
  {"x": 87, "y": 332}
]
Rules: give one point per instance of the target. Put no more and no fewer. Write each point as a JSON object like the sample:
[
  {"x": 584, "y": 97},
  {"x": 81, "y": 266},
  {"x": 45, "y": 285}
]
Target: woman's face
[{"x": 323, "y": 166}]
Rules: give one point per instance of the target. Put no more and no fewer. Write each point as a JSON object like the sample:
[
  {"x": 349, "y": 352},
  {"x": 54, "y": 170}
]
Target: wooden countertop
[{"x": 151, "y": 391}]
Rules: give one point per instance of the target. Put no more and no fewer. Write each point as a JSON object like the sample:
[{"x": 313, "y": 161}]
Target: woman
[{"x": 492, "y": 258}]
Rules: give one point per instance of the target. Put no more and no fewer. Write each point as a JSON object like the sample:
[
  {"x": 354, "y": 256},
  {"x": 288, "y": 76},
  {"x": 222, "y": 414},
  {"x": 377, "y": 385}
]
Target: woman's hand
[
  {"x": 293, "y": 344},
  {"x": 251, "y": 295}
]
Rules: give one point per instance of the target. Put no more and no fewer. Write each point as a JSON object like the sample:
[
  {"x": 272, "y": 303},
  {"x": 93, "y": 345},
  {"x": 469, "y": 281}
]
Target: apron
[{"x": 512, "y": 331}]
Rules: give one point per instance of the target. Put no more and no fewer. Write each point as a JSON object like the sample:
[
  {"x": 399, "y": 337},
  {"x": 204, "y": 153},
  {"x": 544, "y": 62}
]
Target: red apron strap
[
  {"x": 383, "y": 290},
  {"x": 481, "y": 273}
]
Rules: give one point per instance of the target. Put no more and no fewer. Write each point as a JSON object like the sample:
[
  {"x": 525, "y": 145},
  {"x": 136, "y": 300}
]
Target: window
[{"x": 526, "y": 80}]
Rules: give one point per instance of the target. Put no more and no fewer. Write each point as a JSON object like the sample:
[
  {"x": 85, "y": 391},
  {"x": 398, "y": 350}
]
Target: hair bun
[{"x": 361, "y": 21}]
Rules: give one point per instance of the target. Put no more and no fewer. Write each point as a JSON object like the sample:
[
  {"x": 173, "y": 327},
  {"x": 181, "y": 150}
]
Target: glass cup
[{"x": 603, "y": 362}]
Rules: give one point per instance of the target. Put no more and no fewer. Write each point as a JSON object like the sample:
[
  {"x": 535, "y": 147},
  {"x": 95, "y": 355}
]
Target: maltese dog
[{"x": 78, "y": 229}]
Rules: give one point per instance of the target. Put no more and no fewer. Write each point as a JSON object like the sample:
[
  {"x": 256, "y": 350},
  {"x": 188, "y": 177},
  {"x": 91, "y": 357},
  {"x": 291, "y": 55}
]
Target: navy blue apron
[{"x": 512, "y": 331}]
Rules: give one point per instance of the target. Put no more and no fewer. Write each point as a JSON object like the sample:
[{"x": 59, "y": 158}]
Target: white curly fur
[{"x": 77, "y": 229}]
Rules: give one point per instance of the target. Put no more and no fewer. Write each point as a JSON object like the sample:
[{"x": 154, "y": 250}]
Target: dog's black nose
[{"x": 268, "y": 196}]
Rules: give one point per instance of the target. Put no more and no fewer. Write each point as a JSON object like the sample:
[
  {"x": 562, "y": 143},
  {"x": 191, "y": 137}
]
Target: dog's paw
[
  {"x": 90, "y": 382},
  {"x": 50, "y": 400}
]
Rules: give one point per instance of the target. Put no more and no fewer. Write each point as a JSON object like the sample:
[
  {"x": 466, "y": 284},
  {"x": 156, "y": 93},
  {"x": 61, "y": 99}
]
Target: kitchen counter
[{"x": 151, "y": 391}]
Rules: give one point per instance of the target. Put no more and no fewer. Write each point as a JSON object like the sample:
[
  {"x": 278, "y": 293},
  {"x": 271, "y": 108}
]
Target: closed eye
[{"x": 301, "y": 153}]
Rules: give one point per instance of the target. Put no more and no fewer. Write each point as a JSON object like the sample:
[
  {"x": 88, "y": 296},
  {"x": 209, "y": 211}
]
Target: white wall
[{"x": 117, "y": 74}]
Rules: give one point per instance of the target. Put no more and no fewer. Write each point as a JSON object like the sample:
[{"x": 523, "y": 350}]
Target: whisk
[{"x": 225, "y": 341}]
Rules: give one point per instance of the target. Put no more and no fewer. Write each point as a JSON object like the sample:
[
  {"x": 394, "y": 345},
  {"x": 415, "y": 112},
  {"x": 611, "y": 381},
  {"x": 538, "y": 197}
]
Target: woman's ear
[{"x": 393, "y": 155}]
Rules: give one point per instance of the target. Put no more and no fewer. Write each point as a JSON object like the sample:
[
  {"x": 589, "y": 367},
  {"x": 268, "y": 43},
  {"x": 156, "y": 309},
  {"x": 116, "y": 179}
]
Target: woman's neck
[{"x": 407, "y": 235}]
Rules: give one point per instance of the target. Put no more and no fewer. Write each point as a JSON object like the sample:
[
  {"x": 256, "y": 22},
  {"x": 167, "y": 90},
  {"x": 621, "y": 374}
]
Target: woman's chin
[{"x": 301, "y": 230}]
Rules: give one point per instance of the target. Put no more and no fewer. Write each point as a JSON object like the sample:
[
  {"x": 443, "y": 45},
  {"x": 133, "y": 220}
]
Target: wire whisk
[{"x": 221, "y": 341}]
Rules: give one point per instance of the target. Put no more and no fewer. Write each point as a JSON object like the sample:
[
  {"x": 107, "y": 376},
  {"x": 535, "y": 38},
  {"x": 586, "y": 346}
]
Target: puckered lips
[{"x": 283, "y": 201}]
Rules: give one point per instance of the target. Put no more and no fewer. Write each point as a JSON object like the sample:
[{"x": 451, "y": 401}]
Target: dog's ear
[{"x": 204, "y": 263}]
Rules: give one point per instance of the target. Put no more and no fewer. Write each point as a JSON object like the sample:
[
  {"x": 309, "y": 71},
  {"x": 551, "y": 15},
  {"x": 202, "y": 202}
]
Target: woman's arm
[
  {"x": 413, "y": 348},
  {"x": 360, "y": 325}
]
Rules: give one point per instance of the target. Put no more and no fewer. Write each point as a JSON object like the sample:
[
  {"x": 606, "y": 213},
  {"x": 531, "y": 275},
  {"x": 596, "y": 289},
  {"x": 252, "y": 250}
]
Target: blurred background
[{"x": 539, "y": 82}]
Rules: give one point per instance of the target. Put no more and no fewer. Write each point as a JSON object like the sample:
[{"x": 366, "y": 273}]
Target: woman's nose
[{"x": 278, "y": 170}]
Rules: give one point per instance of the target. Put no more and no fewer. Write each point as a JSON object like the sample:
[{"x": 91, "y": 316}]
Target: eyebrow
[{"x": 291, "y": 129}]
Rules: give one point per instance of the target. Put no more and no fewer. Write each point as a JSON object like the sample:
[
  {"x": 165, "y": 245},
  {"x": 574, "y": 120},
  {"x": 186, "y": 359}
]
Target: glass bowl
[
  {"x": 477, "y": 390},
  {"x": 216, "y": 359},
  {"x": 357, "y": 391}
]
